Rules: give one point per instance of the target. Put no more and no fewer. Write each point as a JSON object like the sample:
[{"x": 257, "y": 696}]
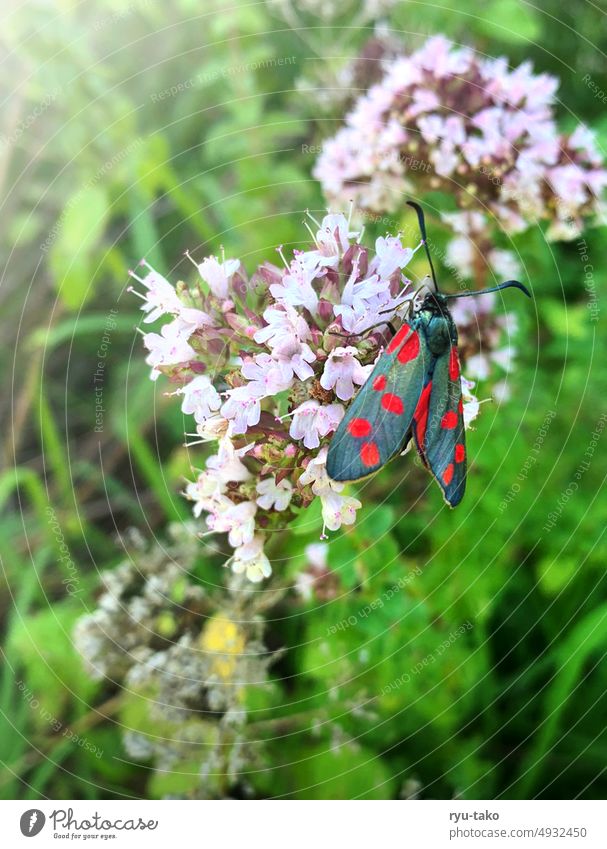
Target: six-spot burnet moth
[{"x": 414, "y": 391}]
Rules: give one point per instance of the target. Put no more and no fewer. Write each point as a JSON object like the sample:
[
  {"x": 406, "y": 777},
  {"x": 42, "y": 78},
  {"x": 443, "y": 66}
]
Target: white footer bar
[{"x": 306, "y": 824}]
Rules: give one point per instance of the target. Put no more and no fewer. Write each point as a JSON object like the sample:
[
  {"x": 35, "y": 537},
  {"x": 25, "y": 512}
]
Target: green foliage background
[{"x": 108, "y": 171}]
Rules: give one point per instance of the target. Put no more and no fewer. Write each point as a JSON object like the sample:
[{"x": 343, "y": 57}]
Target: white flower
[
  {"x": 332, "y": 240},
  {"x": 226, "y": 464},
  {"x": 206, "y": 491},
  {"x": 276, "y": 372},
  {"x": 284, "y": 334},
  {"x": 317, "y": 566},
  {"x": 356, "y": 319},
  {"x": 304, "y": 584},
  {"x": 296, "y": 288},
  {"x": 200, "y": 398},
  {"x": 169, "y": 347},
  {"x": 311, "y": 420},
  {"x": 338, "y": 510},
  {"x": 504, "y": 264},
  {"x": 296, "y": 361},
  {"x": 243, "y": 407},
  {"x": 479, "y": 366},
  {"x": 250, "y": 558},
  {"x": 365, "y": 303},
  {"x": 235, "y": 520},
  {"x": 283, "y": 325},
  {"x": 212, "y": 429},
  {"x": 470, "y": 402},
  {"x": 272, "y": 494},
  {"x": 360, "y": 291},
  {"x": 217, "y": 274},
  {"x": 317, "y": 554},
  {"x": 315, "y": 474},
  {"x": 444, "y": 158},
  {"x": 460, "y": 254},
  {"x": 192, "y": 319},
  {"x": 267, "y": 375},
  {"x": 342, "y": 370},
  {"x": 390, "y": 255},
  {"x": 161, "y": 297}
]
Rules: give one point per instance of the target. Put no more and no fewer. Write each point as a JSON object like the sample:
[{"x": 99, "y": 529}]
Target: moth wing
[
  {"x": 377, "y": 422},
  {"x": 438, "y": 425}
]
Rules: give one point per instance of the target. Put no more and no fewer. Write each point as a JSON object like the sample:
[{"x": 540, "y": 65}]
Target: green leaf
[
  {"x": 587, "y": 638},
  {"x": 325, "y": 771},
  {"x": 79, "y": 230},
  {"x": 84, "y": 325},
  {"x": 554, "y": 573},
  {"x": 309, "y": 520},
  {"x": 510, "y": 20},
  {"x": 52, "y": 671}
]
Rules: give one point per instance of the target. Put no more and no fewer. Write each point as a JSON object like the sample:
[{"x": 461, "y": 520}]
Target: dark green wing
[
  {"x": 377, "y": 422},
  {"x": 438, "y": 427}
]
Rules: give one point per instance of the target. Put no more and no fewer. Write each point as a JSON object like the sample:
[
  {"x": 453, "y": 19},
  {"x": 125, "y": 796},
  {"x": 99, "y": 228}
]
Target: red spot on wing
[
  {"x": 448, "y": 474},
  {"x": 379, "y": 383},
  {"x": 453, "y": 364},
  {"x": 421, "y": 414},
  {"x": 449, "y": 420},
  {"x": 460, "y": 407},
  {"x": 369, "y": 454},
  {"x": 410, "y": 349},
  {"x": 460, "y": 453},
  {"x": 400, "y": 337},
  {"x": 392, "y": 403},
  {"x": 359, "y": 427}
]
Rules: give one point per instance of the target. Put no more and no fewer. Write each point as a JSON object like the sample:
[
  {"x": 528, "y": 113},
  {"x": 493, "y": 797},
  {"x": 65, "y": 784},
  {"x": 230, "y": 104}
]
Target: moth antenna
[
  {"x": 422, "y": 229},
  {"x": 509, "y": 284}
]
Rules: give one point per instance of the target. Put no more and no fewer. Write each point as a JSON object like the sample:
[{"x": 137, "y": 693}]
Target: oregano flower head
[{"x": 265, "y": 366}]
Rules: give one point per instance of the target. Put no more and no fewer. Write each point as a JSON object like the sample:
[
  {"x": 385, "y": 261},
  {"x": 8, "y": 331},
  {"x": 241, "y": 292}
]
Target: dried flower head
[{"x": 184, "y": 659}]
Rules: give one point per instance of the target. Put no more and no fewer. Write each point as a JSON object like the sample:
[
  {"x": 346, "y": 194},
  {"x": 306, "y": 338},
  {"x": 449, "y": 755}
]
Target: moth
[{"x": 414, "y": 392}]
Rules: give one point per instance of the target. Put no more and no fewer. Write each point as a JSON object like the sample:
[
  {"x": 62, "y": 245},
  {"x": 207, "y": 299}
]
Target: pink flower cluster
[
  {"x": 266, "y": 365},
  {"x": 447, "y": 118}
]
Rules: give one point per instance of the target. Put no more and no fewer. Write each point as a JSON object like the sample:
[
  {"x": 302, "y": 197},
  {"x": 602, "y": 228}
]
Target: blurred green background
[{"x": 142, "y": 129}]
